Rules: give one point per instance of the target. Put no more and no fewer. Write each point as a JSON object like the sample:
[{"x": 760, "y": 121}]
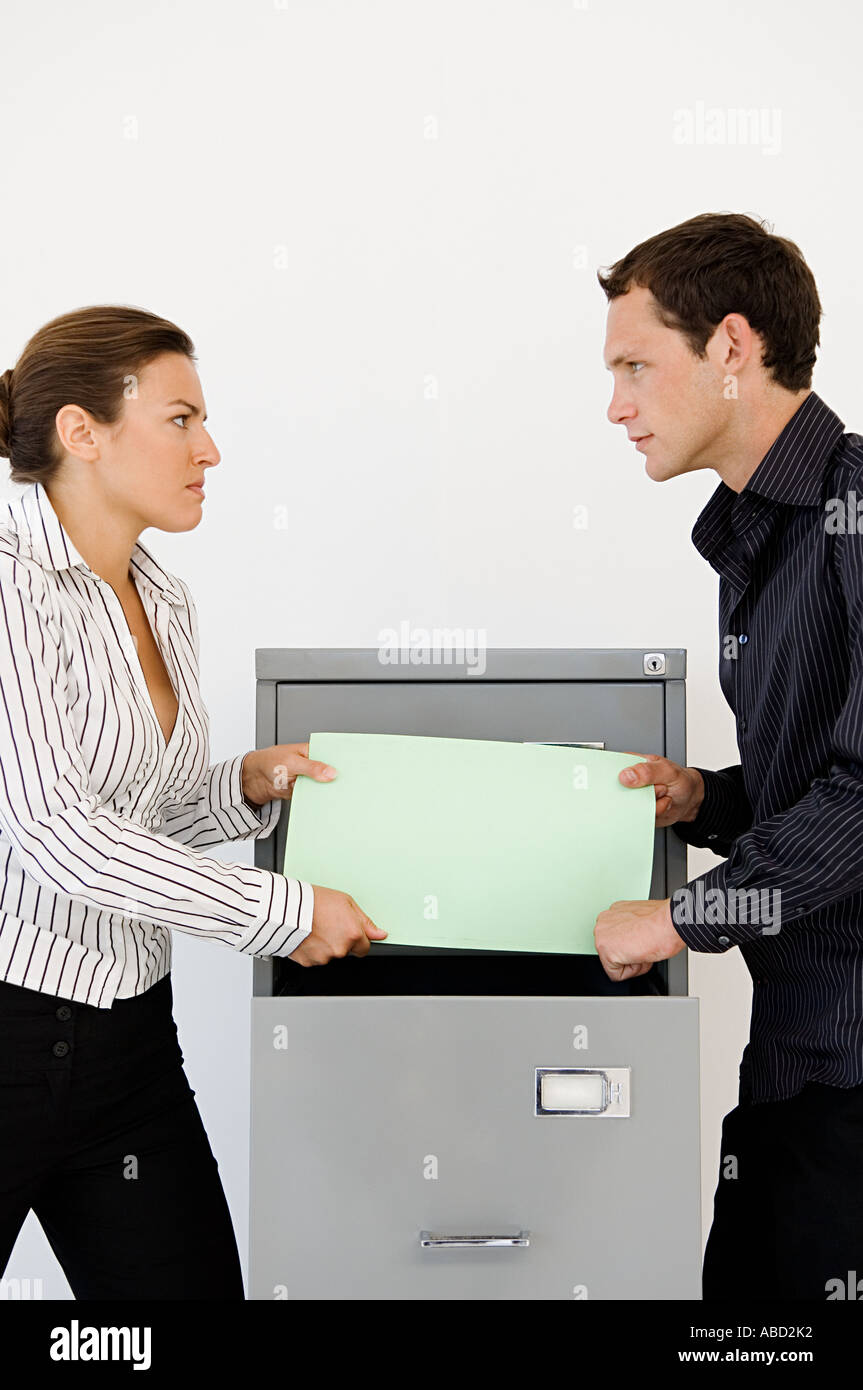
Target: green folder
[{"x": 473, "y": 843}]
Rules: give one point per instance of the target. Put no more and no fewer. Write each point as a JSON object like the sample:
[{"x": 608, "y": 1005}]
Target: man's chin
[
  {"x": 660, "y": 470},
  {"x": 655, "y": 469}
]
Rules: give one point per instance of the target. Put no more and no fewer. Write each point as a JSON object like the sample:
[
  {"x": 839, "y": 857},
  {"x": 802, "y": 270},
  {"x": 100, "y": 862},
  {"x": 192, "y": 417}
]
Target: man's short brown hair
[{"x": 722, "y": 263}]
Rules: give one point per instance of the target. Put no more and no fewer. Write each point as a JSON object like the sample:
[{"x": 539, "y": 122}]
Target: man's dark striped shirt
[{"x": 789, "y": 816}]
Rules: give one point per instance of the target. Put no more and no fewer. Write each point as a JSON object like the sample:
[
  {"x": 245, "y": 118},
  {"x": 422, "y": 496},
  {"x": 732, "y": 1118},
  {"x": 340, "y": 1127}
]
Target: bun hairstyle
[
  {"x": 82, "y": 358},
  {"x": 5, "y": 412}
]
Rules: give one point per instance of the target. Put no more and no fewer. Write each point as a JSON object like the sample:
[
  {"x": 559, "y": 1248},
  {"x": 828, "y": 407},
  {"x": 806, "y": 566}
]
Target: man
[{"x": 711, "y": 339}]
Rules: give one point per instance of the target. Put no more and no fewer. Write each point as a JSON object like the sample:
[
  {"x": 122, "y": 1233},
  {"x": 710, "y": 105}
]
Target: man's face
[{"x": 662, "y": 390}]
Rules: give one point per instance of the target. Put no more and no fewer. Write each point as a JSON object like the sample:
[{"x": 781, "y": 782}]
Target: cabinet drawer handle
[{"x": 434, "y": 1240}]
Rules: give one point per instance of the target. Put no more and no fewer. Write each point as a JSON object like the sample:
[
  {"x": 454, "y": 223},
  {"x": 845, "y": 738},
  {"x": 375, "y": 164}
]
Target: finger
[
  {"x": 375, "y": 933},
  {"x": 366, "y": 923},
  {"x": 299, "y": 765},
  {"x": 628, "y": 971},
  {"x": 641, "y": 774},
  {"x": 322, "y": 772},
  {"x": 612, "y": 971}
]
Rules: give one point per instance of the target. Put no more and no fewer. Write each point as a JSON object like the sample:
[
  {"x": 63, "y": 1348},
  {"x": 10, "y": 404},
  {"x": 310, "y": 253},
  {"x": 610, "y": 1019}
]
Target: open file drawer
[{"x": 440, "y": 1124}]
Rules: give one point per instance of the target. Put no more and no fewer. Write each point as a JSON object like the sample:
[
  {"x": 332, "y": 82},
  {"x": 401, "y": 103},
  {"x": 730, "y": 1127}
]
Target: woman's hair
[
  {"x": 722, "y": 263},
  {"x": 83, "y": 358}
]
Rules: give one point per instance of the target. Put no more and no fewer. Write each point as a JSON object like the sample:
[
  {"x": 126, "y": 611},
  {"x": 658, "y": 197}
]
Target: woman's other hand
[{"x": 270, "y": 773}]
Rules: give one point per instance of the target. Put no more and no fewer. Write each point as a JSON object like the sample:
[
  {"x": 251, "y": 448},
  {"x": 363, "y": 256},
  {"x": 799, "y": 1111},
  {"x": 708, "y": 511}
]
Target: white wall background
[{"x": 380, "y": 222}]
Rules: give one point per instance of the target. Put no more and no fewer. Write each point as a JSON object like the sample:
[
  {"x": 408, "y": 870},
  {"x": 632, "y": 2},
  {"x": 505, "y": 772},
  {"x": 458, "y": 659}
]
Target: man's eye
[
  {"x": 180, "y": 417},
  {"x": 635, "y": 364}
]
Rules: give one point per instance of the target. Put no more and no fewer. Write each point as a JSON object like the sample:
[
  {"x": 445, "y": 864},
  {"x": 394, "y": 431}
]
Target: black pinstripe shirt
[{"x": 789, "y": 817}]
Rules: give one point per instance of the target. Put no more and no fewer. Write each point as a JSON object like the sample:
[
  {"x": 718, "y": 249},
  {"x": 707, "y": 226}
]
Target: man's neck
[{"x": 755, "y": 433}]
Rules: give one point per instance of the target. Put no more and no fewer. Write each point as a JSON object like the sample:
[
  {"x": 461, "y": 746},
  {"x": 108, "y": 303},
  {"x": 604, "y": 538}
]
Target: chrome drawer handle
[{"x": 434, "y": 1240}]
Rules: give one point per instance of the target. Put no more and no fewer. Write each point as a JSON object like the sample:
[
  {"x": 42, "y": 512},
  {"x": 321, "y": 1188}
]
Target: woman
[{"x": 107, "y": 798}]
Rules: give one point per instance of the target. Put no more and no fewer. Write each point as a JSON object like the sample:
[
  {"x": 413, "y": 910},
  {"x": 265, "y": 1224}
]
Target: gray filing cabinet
[{"x": 436, "y": 1124}]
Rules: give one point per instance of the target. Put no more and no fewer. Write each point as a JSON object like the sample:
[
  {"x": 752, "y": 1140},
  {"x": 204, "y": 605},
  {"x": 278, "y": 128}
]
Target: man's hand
[
  {"x": 631, "y": 936},
  {"x": 269, "y": 773},
  {"x": 679, "y": 790}
]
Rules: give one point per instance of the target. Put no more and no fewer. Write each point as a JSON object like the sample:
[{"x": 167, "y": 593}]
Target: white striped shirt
[{"x": 101, "y": 822}]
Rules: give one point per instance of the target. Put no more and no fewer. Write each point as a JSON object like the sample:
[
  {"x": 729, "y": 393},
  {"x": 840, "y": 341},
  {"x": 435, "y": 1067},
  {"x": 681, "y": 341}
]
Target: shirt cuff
[
  {"x": 720, "y": 816},
  {"x": 285, "y": 922},
  {"x": 236, "y": 810},
  {"x": 710, "y": 916}
]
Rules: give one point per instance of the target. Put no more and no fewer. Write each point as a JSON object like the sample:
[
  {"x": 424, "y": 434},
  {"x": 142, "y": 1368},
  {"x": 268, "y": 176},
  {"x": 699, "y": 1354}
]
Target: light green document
[{"x": 472, "y": 843}]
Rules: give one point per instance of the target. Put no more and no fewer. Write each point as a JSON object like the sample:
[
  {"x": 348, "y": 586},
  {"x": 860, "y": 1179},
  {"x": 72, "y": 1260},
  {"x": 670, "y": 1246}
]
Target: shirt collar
[
  {"x": 792, "y": 469},
  {"x": 791, "y": 472},
  {"x": 48, "y": 541}
]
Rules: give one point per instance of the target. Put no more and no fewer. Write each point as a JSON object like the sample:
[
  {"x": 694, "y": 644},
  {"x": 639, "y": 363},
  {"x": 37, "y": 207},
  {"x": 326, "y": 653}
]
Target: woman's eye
[{"x": 180, "y": 417}]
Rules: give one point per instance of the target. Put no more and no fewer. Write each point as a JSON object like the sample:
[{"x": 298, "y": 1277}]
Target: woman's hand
[
  {"x": 339, "y": 925},
  {"x": 339, "y": 928},
  {"x": 270, "y": 773}
]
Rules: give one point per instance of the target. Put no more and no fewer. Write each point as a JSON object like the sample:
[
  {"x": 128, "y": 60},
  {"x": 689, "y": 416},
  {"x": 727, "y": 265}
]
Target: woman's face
[{"x": 145, "y": 463}]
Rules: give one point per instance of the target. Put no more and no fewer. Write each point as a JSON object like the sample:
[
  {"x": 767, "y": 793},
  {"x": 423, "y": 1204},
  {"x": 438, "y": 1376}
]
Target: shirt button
[
  {"x": 743, "y": 726},
  {"x": 60, "y": 1049},
  {"x": 742, "y": 638},
  {"x": 724, "y": 941},
  {"x": 63, "y": 1013},
  {"x": 712, "y": 837}
]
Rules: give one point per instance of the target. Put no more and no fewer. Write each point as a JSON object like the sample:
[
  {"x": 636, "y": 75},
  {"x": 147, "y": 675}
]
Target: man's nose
[{"x": 619, "y": 408}]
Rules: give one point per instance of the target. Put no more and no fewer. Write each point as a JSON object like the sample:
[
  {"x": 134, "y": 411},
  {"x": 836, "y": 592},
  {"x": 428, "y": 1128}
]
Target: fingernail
[
  {"x": 328, "y": 774},
  {"x": 629, "y": 776}
]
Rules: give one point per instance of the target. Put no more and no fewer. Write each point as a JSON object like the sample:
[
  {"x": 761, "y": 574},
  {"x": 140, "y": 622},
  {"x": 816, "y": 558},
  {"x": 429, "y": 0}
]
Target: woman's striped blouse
[{"x": 101, "y": 823}]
